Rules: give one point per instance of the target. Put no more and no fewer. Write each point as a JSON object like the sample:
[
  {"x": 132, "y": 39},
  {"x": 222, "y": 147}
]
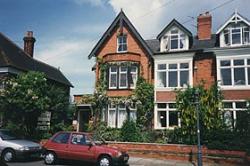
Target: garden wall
[{"x": 183, "y": 152}]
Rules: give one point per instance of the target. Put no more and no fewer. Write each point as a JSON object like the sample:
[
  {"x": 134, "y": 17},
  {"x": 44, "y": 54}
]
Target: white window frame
[
  {"x": 111, "y": 108},
  {"x": 135, "y": 73},
  {"x": 232, "y": 67},
  {"x": 121, "y": 109},
  {"x": 190, "y": 77},
  {"x": 234, "y": 109},
  {"x": 167, "y": 110},
  {"x": 118, "y": 44},
  {"x": 113, "y": 73},
  {"x": 123, "y": 72},
  {"x": 180, "y": 36}
]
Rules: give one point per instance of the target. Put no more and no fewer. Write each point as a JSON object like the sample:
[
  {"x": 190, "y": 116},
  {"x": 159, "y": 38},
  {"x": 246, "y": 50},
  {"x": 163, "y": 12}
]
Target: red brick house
[
  {"x": 175, "y": 59},
  {"x": 128, "y": 57},
  {"x": 183, "y": 59}
]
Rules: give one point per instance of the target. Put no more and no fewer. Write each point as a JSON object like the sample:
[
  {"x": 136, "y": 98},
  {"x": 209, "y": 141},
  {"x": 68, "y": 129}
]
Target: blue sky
[{"x": 67, "y": 30}]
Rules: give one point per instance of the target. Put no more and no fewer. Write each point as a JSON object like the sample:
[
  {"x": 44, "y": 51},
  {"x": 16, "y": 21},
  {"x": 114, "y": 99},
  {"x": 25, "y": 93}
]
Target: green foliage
[
  {"x": 144, "y": 93},
  {"x": 26, "y": 96},
  {"x": 209, "y": 104},
  {"x": 130, "y": 132},
  {"x": 106, "y": 133}
]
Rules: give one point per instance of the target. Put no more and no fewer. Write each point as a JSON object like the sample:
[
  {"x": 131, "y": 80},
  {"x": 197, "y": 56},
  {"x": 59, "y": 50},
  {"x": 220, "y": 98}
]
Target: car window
[
  {"x": 7, "y": 135},
  {"x": 79, "y": 139},
  {"x": 62, "y": 138}
]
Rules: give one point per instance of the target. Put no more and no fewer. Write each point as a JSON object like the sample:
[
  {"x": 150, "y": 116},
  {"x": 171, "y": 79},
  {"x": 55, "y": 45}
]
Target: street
[{"x": 133, "y": 161}]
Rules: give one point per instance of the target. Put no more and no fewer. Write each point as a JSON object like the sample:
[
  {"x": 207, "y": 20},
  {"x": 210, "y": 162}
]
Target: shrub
[
  {"x": 130, "y": 132},
  {"x": 106, "y": 133}
]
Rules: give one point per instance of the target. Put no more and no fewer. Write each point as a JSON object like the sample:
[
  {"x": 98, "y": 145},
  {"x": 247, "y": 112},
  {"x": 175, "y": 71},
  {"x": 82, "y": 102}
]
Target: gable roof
[
  {"x": 13, "y": 56},
  {"x": 172, "y": 23},
  {"x": 234, "y": 15},
  {"x": 121, "y": 17}
]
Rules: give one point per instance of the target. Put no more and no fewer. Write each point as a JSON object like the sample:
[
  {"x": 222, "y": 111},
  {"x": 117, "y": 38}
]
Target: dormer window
[
  {"x": 236, "y": 36},
  {"x": 177, "y": 40},
  {"x": 122, "y": 43}
]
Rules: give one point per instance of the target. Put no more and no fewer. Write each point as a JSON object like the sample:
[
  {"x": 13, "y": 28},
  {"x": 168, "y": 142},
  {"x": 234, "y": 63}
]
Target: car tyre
[
  {"x": 8, "y": 155},
  {"x": 104, "y": 161},
  {"x": 50, "y": 158}
]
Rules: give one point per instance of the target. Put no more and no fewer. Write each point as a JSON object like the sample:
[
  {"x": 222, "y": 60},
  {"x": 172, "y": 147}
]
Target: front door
[{"x": 80, "y": 148}]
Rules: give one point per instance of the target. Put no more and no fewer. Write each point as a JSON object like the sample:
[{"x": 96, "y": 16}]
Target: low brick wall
[{"x": 183, "y": 152}]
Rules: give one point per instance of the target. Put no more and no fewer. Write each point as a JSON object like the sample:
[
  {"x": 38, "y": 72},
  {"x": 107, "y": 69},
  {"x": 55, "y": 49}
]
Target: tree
[
  {"x": 210, "y": 104},
  {"x": 26, "y": 96}
]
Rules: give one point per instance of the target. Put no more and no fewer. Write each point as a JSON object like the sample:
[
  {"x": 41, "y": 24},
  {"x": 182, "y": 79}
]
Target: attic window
[
  {"x": 237, "y": 36},
  {"x": 122, "y": 43},
  {"x": 177, "y": 40}
]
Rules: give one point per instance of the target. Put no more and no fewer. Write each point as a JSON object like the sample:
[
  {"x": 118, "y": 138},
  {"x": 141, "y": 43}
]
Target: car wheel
[
  {"x": 49, "y": 158},
  {"x": 104, "y": 161},
  {"x": 8, "y": 155}
]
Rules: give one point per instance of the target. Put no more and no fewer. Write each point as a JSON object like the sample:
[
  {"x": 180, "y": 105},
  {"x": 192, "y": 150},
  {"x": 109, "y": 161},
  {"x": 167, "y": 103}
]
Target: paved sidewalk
[{"x": 136, "y": 161}]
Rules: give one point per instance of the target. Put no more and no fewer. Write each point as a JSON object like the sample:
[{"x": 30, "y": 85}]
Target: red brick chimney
[
  {"x": 204, "y": 22},
  {"x": 29, "y": 41}
]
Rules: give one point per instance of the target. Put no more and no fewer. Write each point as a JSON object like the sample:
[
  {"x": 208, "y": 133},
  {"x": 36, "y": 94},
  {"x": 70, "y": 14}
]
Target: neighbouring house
[
  {"x": 175, "y": 59},
  {"x": 184, "y": 59},
  {"x": 15, "y": 60}
]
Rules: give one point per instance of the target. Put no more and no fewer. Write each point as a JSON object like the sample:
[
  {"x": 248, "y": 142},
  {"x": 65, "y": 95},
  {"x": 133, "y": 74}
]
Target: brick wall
[
  {"x": 135, "y": 53},
  {"x": 183, "y": 152},
  {"x": 236, "y": 94}
]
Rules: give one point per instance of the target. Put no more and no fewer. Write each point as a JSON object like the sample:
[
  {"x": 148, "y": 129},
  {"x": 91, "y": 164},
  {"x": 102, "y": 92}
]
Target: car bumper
[
  {"x": 29, "y": 154},
  {"x": 122, "y": 160}
]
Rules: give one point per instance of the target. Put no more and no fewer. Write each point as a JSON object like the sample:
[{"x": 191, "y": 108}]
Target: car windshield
[{"x": 7, "y": 135}]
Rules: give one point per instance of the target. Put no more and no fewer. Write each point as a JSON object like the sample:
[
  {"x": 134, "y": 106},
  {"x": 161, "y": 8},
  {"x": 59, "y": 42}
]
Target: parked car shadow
[{"x": 74, "y": 163}]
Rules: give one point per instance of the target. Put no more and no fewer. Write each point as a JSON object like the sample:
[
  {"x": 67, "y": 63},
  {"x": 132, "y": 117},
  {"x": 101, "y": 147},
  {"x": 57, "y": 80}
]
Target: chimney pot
[
  {"x": 29, "y": 41},
  {"x": 204, "y": 22}
]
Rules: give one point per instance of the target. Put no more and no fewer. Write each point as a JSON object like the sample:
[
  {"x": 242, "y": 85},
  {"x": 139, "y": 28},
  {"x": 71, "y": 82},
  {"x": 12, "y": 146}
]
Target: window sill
[
  {"x": 169, "y": 89},
  {"x": 242, "y": 87},
  {"x": 121, "y": 51}
]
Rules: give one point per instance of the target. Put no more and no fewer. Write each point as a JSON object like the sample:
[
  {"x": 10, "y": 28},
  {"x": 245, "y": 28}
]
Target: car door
[
  {"x": 59, "y": 144},
  {"x": 80, "y": 147}
]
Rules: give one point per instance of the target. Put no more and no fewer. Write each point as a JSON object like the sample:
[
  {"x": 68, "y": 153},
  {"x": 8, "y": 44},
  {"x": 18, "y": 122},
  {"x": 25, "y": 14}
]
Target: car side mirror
[{"x": 89, "y": 143}]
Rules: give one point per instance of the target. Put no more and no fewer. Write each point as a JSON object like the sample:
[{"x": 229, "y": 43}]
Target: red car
[{"x": 81, "y": 146}]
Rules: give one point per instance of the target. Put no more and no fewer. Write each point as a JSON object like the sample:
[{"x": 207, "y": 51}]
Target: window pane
[
  {"x": 123, "y": 80},
  {"x": 161, "y": 66},
  {"x": 113, "y": 80},
  {"x": 226, "y": 36},
  {"x": 182, "y": 40},
  {"x": 161, "y": 105},
  {"x": 111, "y": 118},
  {"x": 172, "y": 81},
  {"x": 239, "y": 76},
  {"x": 133, "y": 76},
  {"x": 225, "y": 63},
  {"x": 120, "y": 48},
  {"x": 238, "y": 62},
  {"x": 184, "y": 65},
  {"x": 132, "y": 115},
  {"x": 236, "y": 38},
  {"x": 62, "y": 138},
  {"x": 162, "y": 118},
  {"x": 174, "y": 43},
  {"x": 228, "y": 119},
  {"x": 246, "y": 37},
  {"x": 161, "y": 79},
  {"x": 122, "y": 116},
  {"x": 113, "y": 69},
  {"x": 248, "y": 61},
  {"x": 174, "y": 31},
  {"x": 78, "y": 139},
  {"x": 172, "y": 105},
  {"x": 133, "y": 69},
  {"x": 227, "y": 104},
  {"x": 123, "y": 69},
  {"x": 173, "y": 118},
  {"x": 172, "y": 66},
  {"x": 184, "y": 78},
  {"x": 241, "y": 104},
  {"x": 226, "y": 77}
]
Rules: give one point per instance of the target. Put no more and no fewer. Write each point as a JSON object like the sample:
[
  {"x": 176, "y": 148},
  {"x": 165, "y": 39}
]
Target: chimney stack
[
  {"x": 204, "y": 22},
  {"x": 29, "y": 41}
]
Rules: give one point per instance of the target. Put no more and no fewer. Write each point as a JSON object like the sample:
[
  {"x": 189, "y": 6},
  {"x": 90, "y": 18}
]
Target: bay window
[
  {"x": 235, "y": 72},
  {"x": 233, "y": 110},
  {"x": 172, "y": 75},
  {"x": 117, "y": 114},
  {"x": 123, "y": 77},
  {"x": 167, "y": 115}
]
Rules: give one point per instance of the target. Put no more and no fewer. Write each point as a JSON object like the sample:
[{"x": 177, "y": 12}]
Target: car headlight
[
  {"x": 119, "y": 154},
  {"x": 24, "y": 148}
]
